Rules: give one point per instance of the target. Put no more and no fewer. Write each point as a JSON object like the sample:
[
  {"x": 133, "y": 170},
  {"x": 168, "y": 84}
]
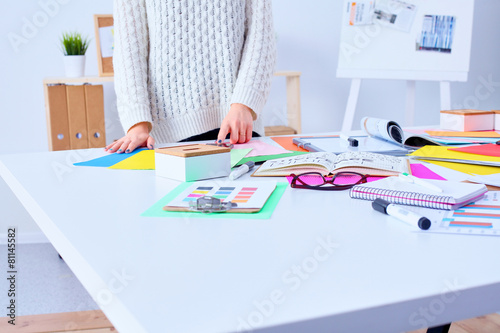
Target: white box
[
  {"x": 497, "y": 120},
  {"x": 193, "y": 162},
  {"x": 467, "y": 120}
]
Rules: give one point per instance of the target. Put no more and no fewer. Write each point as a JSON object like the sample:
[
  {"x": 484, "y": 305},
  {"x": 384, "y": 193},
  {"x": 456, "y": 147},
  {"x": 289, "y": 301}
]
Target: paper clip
[{"x": 208, "y": 204}]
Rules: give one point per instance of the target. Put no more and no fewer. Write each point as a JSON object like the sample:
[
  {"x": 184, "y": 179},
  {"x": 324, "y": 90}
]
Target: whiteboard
[{"x": 376, "y": 51}]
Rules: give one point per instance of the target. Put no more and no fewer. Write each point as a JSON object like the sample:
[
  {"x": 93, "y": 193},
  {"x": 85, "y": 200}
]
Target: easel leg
[
  {"x": 445, "y": 95},
  {"x": 410, "y": 102},
  {"x": 351, "y": 105}
]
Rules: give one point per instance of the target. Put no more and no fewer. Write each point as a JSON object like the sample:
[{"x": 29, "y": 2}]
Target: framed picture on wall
[{"x": 104, "y": 36}]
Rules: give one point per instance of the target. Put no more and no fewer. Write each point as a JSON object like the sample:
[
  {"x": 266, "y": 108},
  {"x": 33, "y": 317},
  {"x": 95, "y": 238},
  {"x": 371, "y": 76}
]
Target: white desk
[{"x": 203, "y": 275}]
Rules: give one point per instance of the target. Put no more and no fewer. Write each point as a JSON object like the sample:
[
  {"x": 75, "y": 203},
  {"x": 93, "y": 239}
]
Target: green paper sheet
[
  {"x": 265, "y": 213},
  {"x": 238, "y": 154},
  {"x": 264, "y": 158}
]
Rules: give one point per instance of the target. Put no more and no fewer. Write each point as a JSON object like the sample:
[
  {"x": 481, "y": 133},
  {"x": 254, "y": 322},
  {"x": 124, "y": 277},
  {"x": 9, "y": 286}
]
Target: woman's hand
[
  {"x": 137, "y": 136},
  {"x": 238, "y": 122}
]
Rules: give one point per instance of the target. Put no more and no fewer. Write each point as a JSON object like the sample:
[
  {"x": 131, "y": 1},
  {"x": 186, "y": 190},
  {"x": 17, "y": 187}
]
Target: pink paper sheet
[
  {"x": 260, "y": 148},
  {"x": 417, "y": 170},
  {"x": 421, "y": 171}
]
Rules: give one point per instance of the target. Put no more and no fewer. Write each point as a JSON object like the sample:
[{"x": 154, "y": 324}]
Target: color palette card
[{"x": 251, "y": 195}]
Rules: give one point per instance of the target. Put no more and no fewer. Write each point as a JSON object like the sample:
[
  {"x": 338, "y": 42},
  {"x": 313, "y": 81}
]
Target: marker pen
[
  {"x": 412, "y": 179},
  {"x": 401, "y": 214},
  {"x": 352, "y": 142},
  {"x": 241, "y": 170}
]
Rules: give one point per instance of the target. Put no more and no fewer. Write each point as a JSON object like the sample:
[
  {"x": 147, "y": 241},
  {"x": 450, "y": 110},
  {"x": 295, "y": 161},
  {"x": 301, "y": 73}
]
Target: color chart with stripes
[
  {"x": 242, "y": 195},
  {"x": 200, "y": 191},
  {"x": 253, "y": 196},
  {"x": 479, "y": 218}
]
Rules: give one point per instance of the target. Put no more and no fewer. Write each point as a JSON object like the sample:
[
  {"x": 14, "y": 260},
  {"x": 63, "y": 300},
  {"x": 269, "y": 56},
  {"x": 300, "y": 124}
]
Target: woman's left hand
[{"x": 238, "y": 122}]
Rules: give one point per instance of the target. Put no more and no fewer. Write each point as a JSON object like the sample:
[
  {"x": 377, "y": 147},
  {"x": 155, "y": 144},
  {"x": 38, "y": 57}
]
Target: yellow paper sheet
[
  {"x": 467, "y": 168},
  {"x": 444, "y": 152},
  {"x": 144, "y": 160},
  {"x": 481, "y": 134}
]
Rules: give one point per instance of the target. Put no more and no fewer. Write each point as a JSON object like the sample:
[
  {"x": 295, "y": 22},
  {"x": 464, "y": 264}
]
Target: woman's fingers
[
  {"x": 124, "y": 145},
  {"x": 150, "y": 143},
  {"x": 114, "y": 146},
  {"x": 249, "y": 132},
  {"x": 224, "y": 130}
]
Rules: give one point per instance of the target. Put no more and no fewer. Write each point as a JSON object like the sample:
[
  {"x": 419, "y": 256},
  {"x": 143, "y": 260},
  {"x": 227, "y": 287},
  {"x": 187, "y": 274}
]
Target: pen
[
  {"x": 384, "y": 206},
  {"x": 241, "y": 170},
  {"x": 412, "y": 179},
  {"x": 352, "y": 142}
]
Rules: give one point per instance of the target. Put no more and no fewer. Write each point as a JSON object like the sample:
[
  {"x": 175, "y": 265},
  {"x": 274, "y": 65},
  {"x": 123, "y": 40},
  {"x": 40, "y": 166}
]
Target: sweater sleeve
[
  {"x": 130, "y": 62},
  {"x": 258, "y": 57}
]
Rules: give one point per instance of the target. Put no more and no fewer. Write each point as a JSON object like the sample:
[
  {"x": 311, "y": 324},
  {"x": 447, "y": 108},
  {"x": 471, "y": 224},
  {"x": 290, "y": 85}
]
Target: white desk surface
[{"x": 206, "y": 275}]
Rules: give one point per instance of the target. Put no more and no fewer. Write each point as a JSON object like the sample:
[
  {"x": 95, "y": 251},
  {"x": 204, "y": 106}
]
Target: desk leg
[{"x": 439, "y": 329}]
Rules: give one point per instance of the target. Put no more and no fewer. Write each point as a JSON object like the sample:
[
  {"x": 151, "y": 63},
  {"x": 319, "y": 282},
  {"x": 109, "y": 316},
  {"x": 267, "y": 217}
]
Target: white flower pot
[{"x": 74, "y": 65}]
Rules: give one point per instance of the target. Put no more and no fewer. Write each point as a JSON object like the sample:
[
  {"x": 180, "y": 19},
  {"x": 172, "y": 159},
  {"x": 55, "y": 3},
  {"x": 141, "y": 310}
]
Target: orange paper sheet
[
  {"x": 479, "y": 134},
  {"x": 287, "y": 141},
  {"x": 488, "y": 150}
]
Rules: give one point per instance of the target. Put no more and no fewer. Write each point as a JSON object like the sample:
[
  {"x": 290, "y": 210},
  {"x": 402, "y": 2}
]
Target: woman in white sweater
[{"x": 190, "y": 67}]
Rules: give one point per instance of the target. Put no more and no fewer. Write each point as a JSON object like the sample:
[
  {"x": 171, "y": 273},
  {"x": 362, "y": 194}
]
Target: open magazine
[
  {"x": 390, "y": 131},
  {"x": 384, "y": 137}
]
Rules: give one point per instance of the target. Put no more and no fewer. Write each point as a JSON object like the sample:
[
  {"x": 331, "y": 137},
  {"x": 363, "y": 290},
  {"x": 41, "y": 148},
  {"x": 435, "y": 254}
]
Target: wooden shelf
[
  {"x": 88, "y": 79},
  {"x": 84, "y": 79},
  {"x": 292, "y": 94},
  {"x": 287, "y": 73}
]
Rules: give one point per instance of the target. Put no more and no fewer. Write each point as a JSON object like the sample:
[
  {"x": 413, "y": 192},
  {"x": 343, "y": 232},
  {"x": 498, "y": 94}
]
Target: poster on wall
[
  {"x": 360, "y": 12},
  {"x": 437, "y": 34},
  {"x": 395, "y": 14}
]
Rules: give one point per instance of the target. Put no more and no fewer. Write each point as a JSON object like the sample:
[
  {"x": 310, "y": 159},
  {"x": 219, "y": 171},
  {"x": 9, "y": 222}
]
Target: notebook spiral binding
[{"x": 403, "y": 197}]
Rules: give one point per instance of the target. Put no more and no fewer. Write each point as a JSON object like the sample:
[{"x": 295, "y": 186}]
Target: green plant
[{"x": 72, "y": 43}]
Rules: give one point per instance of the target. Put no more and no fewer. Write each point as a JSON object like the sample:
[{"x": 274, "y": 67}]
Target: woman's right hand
[{"x": 137, "y": 136}]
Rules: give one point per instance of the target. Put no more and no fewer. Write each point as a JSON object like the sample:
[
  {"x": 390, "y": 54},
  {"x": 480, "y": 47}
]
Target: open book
[
  {"x": 390, "y": 131},
  {"x": 329, "y": 163}
]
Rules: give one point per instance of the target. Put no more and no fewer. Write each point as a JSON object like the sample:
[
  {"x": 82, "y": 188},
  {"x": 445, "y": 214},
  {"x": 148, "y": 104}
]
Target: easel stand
[{"x": 352, "y": 101}]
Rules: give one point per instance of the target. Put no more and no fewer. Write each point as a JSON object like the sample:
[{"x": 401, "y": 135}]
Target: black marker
[
  {"x": 401, "y": 214},
  {"x": 352, "y": 142}
]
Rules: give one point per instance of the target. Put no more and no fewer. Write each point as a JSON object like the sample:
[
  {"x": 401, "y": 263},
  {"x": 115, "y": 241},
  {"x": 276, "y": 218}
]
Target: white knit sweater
[{"x": 180, "y": 64}]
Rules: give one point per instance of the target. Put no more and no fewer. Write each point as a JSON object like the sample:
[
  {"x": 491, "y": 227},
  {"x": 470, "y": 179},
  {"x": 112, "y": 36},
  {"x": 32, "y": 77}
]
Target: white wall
[{"x": 308, "y": 38}]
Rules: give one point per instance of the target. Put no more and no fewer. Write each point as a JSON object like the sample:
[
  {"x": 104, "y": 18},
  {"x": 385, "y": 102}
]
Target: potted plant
[{"x": 74, "y": 47}]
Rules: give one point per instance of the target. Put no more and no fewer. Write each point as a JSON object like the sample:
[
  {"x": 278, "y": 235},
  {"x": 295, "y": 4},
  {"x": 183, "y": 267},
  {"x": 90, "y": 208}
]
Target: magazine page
[
  {"x": 371, "y": 160},
  {"x": 384, "y": 129}
]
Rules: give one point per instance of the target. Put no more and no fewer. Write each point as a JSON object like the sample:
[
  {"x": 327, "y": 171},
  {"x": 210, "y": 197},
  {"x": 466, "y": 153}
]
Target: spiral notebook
[{"x": 392, "y": 189}]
